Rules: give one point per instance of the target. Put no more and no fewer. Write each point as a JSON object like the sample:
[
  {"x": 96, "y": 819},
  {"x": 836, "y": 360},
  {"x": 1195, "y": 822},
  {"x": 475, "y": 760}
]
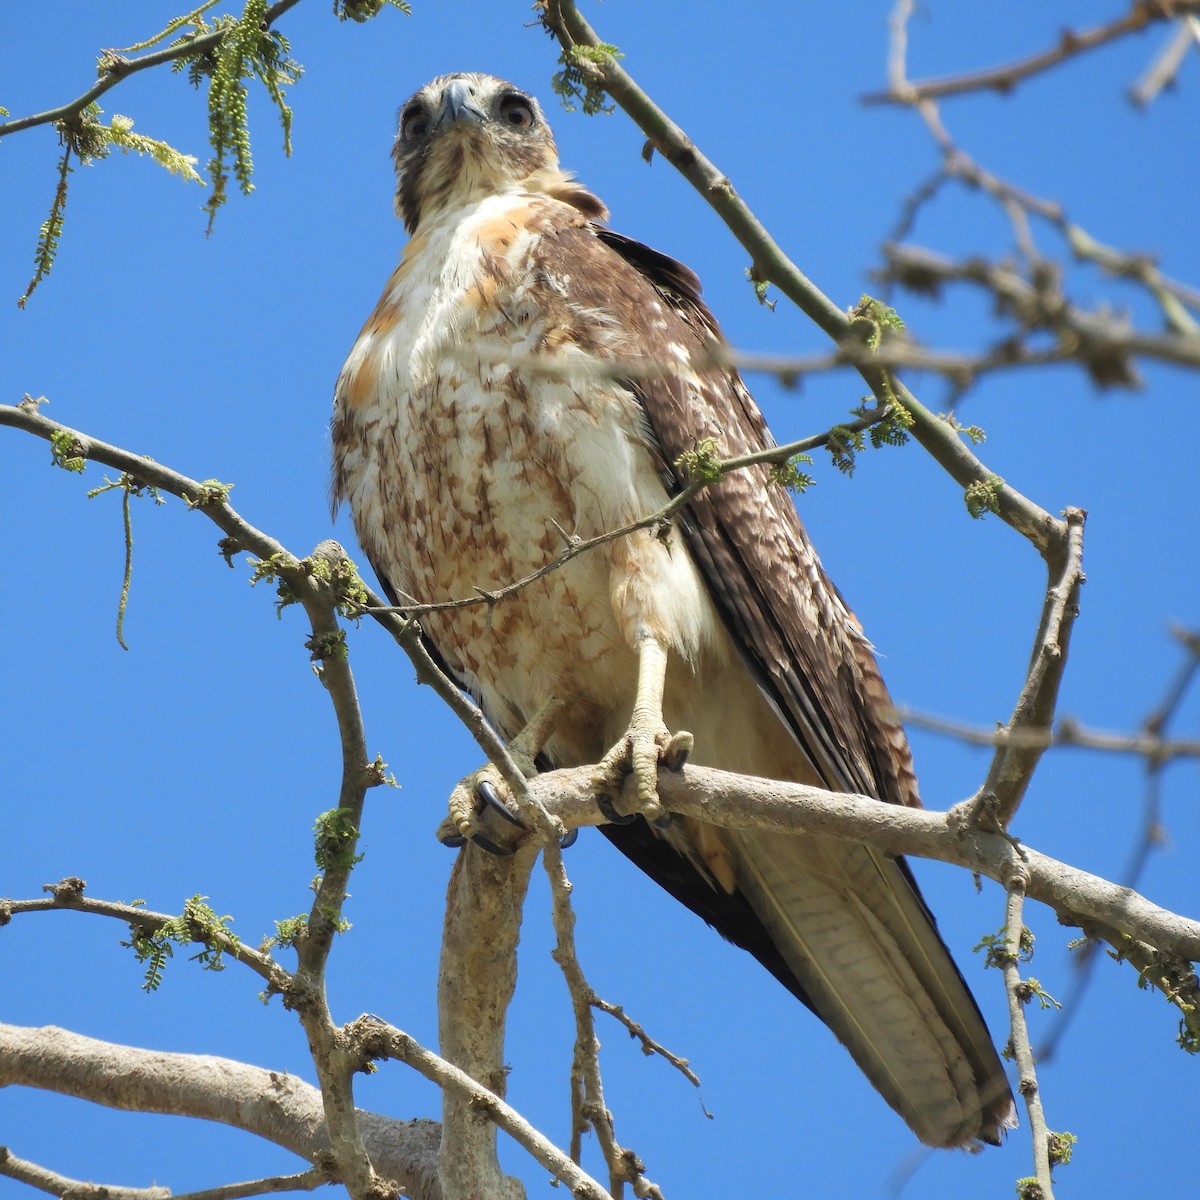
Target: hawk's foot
[
  {"x": 485, "y": 790},
  {"x": 646, "y": 743}
]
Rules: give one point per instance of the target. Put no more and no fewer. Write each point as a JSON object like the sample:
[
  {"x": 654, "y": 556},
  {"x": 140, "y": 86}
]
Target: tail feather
[{"x": 864, "y": 949}]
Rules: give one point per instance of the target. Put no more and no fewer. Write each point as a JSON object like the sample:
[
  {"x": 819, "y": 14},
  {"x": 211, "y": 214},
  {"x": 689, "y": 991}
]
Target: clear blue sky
[{"x": 196, "y": 762}]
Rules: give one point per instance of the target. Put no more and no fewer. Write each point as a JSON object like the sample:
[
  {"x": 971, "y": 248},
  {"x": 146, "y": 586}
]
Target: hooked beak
[{"x": 458, "y": 105}]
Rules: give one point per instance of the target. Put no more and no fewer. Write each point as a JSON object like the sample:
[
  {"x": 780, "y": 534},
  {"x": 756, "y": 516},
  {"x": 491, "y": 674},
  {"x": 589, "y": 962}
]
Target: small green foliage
[
  {"x": 761, "y": 287},
  {"x": 788, "y": 474},
  {"x": 701, "y": 464},
  {"x": 874, "y": 322},
  {"x": 197, "y": 923},
  {"x": 173, "y": 26},
  {"x": 130, "y": 486},
  {"x": 212, "y": 493},
  {"x": 274, "y": 570},
  {"x": 379, "y": 776},
  {"x": 121, "y": 135},
  {"x": 338, "y": 922},
  {"x": 1176, "y": 979},
  {"x": 1029, "y": 989},
  {"x": 893, "y": 429},
  {"x": 50, "y": 230},
  {"x": 83, "y": 137},
  {"x": 326, "y": 646},
  {"x": 68, "y": 450},
  {"x": 983, "y": 496},
  {"x": 1028, "y": 1188},
  {"x": 973, "y": 433},
  {"x": 997, "y": 951},
  {"x": 289, "y": 931},
  {"x": 336, "y": 836},
  {"x": 342, "y": 576},
  {"x": 581, "y": 76},
  {"x": 1060, "y": 1147},
  {"x": 248, "y": 49},
  {"x": 843, "y": 445},
  {"x": 363, "y": 10}
]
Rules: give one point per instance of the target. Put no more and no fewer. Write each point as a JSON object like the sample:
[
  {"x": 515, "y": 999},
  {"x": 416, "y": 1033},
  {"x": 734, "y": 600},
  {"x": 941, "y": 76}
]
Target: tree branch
[
  {"x": 387, "y": 1041},
  {"x": 746, "y": 802},
  {"x": 1070, "y": 44},
  {"x": 476, "y": 980},
  {"x": 273, "y": 1105},
  {"x": 770, "y": 264},
  {"x": 78, "y": 1189},
  {"x": 115, "y": 68}
]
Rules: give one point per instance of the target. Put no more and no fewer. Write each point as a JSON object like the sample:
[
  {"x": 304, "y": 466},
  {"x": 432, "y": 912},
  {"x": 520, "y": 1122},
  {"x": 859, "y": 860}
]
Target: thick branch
[
  {"x": 392, "y": 1043},
  {"x": 476, "y": 980},
  {"x": 272, "y": 1105},
  {"x": 746, "y": 802}
]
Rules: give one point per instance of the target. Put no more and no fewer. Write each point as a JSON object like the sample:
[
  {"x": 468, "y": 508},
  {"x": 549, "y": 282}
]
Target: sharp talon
[
  {"x": 663, "y": 822},
  {"x": 488, "y": 794},
  {"x": 677, "y": 751},
  {"x": 486, "y": 843},
  {"x": 453, "y": 840},
  {"x": 609, "y": 812},
  {"x": 568, "y": 839}
]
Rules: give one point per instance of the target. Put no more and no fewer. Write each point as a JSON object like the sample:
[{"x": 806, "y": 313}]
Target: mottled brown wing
[{"x": 789, "y": 621}]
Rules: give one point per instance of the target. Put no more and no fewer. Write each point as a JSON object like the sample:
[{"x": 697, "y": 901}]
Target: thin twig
[
  {"x": 1165, "y": 65},
  {"x": 588, "y": 1104},
  {"x": 1070, "y": 45},
  {"x": 1018, "y": 995},
  {"x": 1066, "y": 734}
]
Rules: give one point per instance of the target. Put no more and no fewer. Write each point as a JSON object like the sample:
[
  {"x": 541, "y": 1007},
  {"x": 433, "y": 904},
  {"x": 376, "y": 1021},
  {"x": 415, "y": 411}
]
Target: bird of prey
[{"x": 481, "y": 416}]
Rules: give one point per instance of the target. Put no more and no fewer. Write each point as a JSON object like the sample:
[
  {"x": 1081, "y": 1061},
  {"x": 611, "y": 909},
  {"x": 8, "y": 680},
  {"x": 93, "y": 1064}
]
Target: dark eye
[
  {"x": 414, "y": 124},
  {"x": 516, "y": 112}
]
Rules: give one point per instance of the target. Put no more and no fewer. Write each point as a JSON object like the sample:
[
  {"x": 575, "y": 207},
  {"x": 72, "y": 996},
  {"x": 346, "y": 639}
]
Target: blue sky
[{"x": 196, "y": 762}]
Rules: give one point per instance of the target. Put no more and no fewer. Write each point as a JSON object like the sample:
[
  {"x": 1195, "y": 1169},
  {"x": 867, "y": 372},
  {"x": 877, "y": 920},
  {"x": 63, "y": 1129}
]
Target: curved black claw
[
  {"x": 663, "y": 822},
  {"x": 609, "y": 812},
  {"x": 485, "y": 843},
  {"x": 488, "y": 794},
  {"x": 568, "y": 839},
  {"x": 453, "y": 840}
]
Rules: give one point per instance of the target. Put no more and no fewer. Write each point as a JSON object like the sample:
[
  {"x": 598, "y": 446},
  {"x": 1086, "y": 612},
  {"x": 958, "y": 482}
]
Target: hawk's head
[{"x": 466, "y": 136}]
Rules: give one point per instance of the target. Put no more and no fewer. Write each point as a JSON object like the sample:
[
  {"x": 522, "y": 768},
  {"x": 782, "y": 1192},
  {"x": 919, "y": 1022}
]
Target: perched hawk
[{"x": 478, "y": 420}]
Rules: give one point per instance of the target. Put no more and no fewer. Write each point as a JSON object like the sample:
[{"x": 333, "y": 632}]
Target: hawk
[{"x": 482, "y": 415}]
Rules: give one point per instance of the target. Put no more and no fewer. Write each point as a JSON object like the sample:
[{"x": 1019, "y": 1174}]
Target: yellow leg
[{"x": 647, "y": 740}]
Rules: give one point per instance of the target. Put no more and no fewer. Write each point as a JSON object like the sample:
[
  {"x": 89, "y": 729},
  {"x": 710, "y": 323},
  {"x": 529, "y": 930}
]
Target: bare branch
[
  {"x": 1166, "y": 63},
  {"x": 273, "y": 1105},
  {"x": 58, "y": 1185},
  {"x": 77, "y": 1189},
  {"x": 587, "y": 1086},
  {"x": 1013, "y": 765},
  {"x": 1066, "y": 734},
  {"x": 746, "y": 802},
  {"x": 387, "y": 1041},
  {"x": 476, "y": 979},
  {"x": 1070, "y": 45}
]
